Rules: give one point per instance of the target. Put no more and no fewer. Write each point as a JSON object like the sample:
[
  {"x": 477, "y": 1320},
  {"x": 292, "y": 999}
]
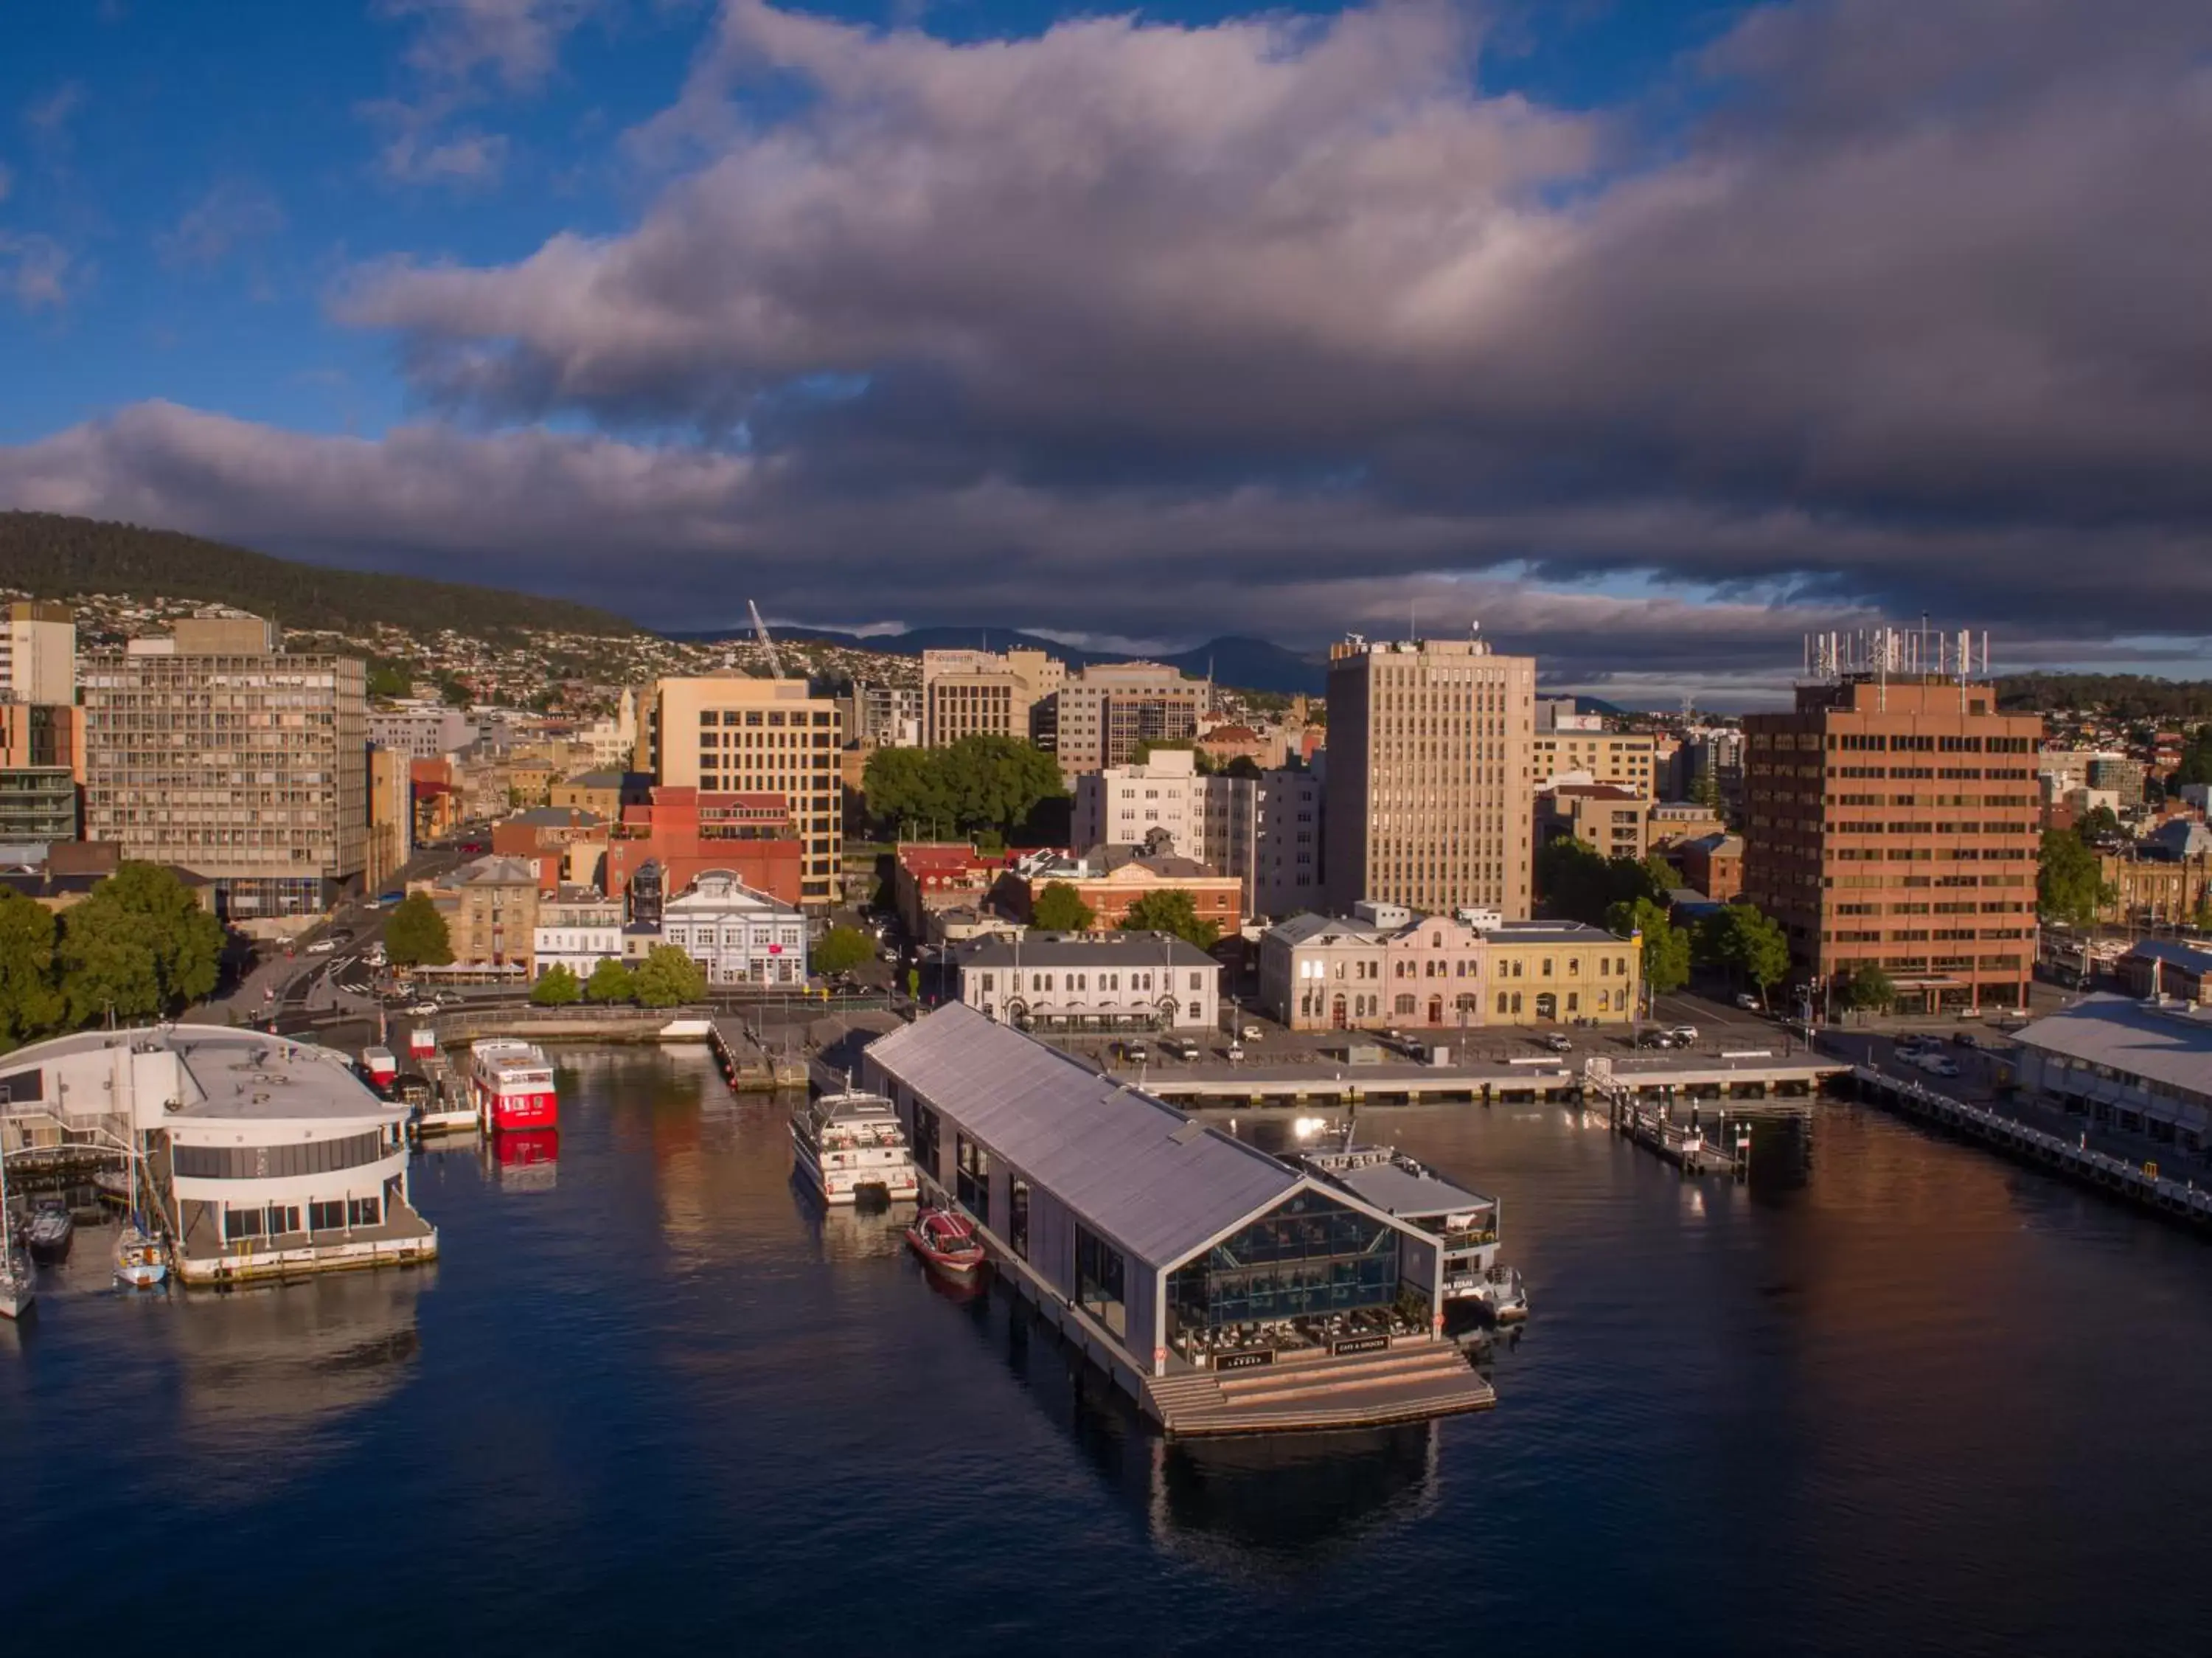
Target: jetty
[{"x": 1749, "y": 1084}]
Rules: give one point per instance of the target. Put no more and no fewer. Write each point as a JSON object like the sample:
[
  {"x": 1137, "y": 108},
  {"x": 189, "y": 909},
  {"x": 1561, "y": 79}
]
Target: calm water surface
[{"x": 1894, "y": 1396}]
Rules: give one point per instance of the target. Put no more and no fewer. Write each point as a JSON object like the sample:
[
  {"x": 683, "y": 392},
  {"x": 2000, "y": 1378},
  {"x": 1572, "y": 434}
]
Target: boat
[
  {"x": 52, "y": 1229},
  {"x": 849, "y": 1145},
  {"x": 16, "y": 1295},
  {"x": 1502, "y": 1293},
  {"x": 947, "y": 1240},
  {"x": 139, "y": 1261},
  {"x": 379, "y": 1069},
  {"x": 511, "y": 1083}
]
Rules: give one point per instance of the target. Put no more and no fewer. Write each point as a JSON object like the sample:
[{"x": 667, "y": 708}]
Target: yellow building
[{"x": 732, "y": 733}]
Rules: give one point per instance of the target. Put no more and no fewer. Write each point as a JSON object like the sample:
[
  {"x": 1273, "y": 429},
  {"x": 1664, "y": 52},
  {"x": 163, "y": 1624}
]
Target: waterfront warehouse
[
  {"x": 1179, "y": 1257},
  {"x": 2145, "y": 1066},
  {"x": 264, "y": 1156}
]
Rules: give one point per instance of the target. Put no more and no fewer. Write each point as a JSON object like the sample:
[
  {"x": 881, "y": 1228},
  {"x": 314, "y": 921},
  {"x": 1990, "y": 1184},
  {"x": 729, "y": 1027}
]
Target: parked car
[
  {"x": 1966, "y": 1040},
  {"x": 1936, "y": 1065},
  {"x": 1135, "y": 1052},
  {"x": 1558, "y": 1042},
  {"x": 1747, "y": 1001},
  {"x": 447, "y": 999},
  {"x": 322, "y": 947},
  {"x": 1182, "y": 1047},
  {"x": 1653, "y": 1040},
  {"x": 424, "y": 1010},
  {"x": 1684, "y": 1033},
  {"x": 1251, "y": 1033},
  {"x": 1235, "y": 1053}
]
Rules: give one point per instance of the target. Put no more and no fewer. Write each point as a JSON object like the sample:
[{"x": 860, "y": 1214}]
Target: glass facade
[
  {"x": 973, "y": 1183},
  {"x": 1100, "y": 1281},
  {"x": 1311, "y": 1254}
]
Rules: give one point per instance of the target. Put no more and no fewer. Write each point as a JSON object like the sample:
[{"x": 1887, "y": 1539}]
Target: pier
[
  {"x": 1748, "y": 1084},
  {"x": 1683, "y": 1144},
  {"x": 2140, "y": 1185}
]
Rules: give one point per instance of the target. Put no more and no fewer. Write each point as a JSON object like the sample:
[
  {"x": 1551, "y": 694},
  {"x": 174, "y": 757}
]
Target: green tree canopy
[
  {"x": 979, "y": 783},
  {"x": 1748, "y": 942},
  {"x": 140, "y": 946},
  {"x": 1577, "y": 883},
  {"x": 1868, "y": 987},
  {"x": 1666, "y": 952},
  {"x": 556, "y": 987},
  {"x": 1171, "y": 912},
  {"x": 31, "y": 1005},
  {"x": 1061, "y": 909},
  {"x": 841, "y": 949},
  {"x": 667, "y": 978},
  {"x": 2069, "y": 885},
  {"x": 609, "y": 983},
  {"x": 416, "y": 937}
]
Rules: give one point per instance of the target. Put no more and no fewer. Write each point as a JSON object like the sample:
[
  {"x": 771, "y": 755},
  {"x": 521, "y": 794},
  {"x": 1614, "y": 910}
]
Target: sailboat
[
  {"x": 139, "y": 1261},
  {"x": 15, "y": 1295}
]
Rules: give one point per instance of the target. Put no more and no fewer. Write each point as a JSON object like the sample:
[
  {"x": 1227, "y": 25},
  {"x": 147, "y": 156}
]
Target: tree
[
  {"x": 30, "y": 1003},
  {"x": 558, "y": 987},
  {"x": 416, "y": 937},
  {"x": 841, "y": 949},
  {"x": 1748, "y": 942},
  {"x": 609, "y": 983},
  {"x": 2097, "y": 823},
  {"x": 1869, "y": 988},
  {"x": 667, "y": 978},
  {"x": 1169, "y": 911},
  {"x": 1666, "y": 952},
  {"x": 979, "y": 783},
  {"x": 1578, "y": 884},
  {"x": 1061, "y": 909},
  {"x": 140, "y": 946},
  {"x": 2201, "y": 918},
  {"x": 2069, "y": 884},
  {"x": 1705, "y": 790}
]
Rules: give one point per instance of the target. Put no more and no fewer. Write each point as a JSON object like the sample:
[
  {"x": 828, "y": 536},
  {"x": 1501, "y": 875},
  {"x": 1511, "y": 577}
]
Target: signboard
[
  {"x": 1251, "y": 1359},
  {"x": 1359, "y": 1344}
]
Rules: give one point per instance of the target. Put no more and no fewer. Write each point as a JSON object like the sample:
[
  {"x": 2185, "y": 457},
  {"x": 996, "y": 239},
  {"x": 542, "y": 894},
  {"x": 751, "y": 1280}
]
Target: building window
[
  {"x": 928, "y": 1139},
  {"x": 1017, "y": 1215},
  {"x": 1099, "y": 1272},
  {"x": 973, "y": 1182},
  {"x": 364, "y": 1211}
]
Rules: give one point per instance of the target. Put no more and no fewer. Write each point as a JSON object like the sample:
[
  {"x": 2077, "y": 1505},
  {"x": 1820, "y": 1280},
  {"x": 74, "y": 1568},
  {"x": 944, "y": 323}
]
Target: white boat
[
  {"x": 1503, "y": 1295},
  {"x": 850, "y": 1143},
  {"x": 139, "y": 1261}
]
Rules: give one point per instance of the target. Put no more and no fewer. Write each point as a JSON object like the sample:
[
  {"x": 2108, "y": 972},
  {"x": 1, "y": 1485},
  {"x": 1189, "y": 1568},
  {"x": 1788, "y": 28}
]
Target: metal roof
[
  {"x": 1125, "y": 1163},
  {"x": 2173, "y": 953},
  {"x": 1398, "y": 1186},
  {"x": 2171, "y": 1045},
  {"x": 1114, "y": 949}
]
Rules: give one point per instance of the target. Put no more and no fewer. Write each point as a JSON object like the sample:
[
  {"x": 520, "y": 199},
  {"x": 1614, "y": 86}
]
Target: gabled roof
[
  {"x": 1114, "y": 949},
  {"x": 1310, "y": 928},
  {"x": 2170, "y": 1045},
  {"x": 1131, "y": 1167}
]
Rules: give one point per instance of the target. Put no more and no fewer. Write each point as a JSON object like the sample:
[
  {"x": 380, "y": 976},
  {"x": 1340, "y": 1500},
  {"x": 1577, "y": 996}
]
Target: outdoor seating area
[{"x": 1327, "y": 1332}]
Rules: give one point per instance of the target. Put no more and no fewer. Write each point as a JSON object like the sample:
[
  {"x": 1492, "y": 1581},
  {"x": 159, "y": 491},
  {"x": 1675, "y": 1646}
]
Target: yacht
[
  {"x": 850, "y": 1144},
  {"x": 52, "y": 1227}
]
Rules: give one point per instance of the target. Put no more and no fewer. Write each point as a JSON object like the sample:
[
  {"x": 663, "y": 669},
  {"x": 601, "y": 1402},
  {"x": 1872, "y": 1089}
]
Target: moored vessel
[
  {"x": 947, "y": 1240},
  {"x": 51, "y": 1230},
  {"x": 16, "y": 1297},
  {"x": 849, "y": 1145},
  {"x": 512, "y": 1085},
  {"x": 139, "y": 1261}
]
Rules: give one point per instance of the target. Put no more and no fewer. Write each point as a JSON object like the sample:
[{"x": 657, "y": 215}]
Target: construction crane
[{"x": 774, "y": 662}]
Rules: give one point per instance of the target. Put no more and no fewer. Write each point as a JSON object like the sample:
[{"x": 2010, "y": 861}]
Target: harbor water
[{"x": 1891, "y": 1395}]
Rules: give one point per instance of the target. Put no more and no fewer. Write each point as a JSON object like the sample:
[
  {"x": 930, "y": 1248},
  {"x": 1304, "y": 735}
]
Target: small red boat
[{"x": 947, "y": 1240}]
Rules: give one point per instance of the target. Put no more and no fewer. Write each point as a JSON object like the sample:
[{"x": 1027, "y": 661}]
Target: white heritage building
[{"x": 739, "y": 937}]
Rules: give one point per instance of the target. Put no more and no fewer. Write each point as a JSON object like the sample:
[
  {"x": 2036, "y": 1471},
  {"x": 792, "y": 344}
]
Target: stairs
[{"x": 1403, "y": 1384}]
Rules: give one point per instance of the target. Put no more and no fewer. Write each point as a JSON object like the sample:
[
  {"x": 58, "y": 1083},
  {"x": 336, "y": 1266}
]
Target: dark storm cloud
[{"x": 1281, "y": 327}]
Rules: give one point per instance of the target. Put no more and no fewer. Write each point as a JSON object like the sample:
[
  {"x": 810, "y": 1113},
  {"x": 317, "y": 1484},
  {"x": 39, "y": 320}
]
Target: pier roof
[
  {"x": 2170, "y": 1043},
  {"x": 1130, "y": 1166}
]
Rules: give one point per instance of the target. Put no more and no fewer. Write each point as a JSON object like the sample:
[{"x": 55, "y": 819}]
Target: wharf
[
  {"x": 2137, "y": 1183},
  {"x": 747, "y": 1066},
  {"x": 1683, "y": 1144},
  {"x": 1748, "y": 1084}
]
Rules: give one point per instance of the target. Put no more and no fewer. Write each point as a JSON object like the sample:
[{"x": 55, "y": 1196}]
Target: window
[
  {"x": 1017, "y": 1215},
  {"x": 1404, "y": 1005},
  {"x": 928, "y": 1139},
  {"x": 364, "y": 1212},
  {"x": 973, "y": 1182},
  {"x": 1098, "y": 1281},
  {"x": 326, "y": 1217}
]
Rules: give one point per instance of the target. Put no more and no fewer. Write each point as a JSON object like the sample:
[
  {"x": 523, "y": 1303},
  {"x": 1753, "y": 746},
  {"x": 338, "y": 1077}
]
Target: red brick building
[{"x": 689, "y": 831}]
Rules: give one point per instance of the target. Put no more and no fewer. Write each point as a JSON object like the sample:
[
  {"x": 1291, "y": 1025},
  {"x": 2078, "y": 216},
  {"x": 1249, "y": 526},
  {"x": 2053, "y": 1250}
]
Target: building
[
  {"x": 1673, "y": 821},
  {"x": 1087, "y": 981},
  {"x": 930, "y": 878},
  {"x": 737, "y": 936},
  {"x": 437, "y": 799},
  {"x": 1577, "y": 748},
  {"x": 1170, "y": 1252},
  {"x": 1384, "y": 968},
  {"x": 1891, "y": 819},
  {"x": 490, "y": 908},
  {"x": 1709, "y": 760},
  {"x": 1612, "y": 822},
  {"x": 972, "y": 693},
  {"x": 2156, "y": 967},
  {"x": 2154, "y": 885},
  {"x": 1430, "y": 796},
  {"x": 1114, "y": 878},
  {"x": 1713, "y": 864},
  {"x": 390, "y": 816},
  {"x": 1105, "y": 711},
  {"x": 38, "y": 653},
  {"x": 1166, "y": 803},
  {"x": 887, "y": 715},
  {"x": 577, "y": 929},
  {"x": 37, "y": 803},
  {"x": 42, "y": 734},
  {"x": 685, "y": 832},
  {"x": 603, "y": 793},
  {"x": 2120, "y": 776},
  {"x": 1288, "y": 852},
  {"x": 2144, "y": 1067},
  {"x": 729, "y": 733},
  {"x": 425, "y": 731},
  {"x": 269, "y": 1156},
  {"x": 213, "y": 750},
  {"x": 544, "y": 837}
]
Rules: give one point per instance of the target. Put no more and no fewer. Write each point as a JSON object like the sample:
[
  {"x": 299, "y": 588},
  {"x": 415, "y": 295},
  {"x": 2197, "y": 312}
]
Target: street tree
[
  {"x": 1579, "y": 883},
  {"x": 1748, "y": 942},
  {"x": 558, "y": 987},
  {"x": 1061, "y": 909},
  {"x": 416, "y": 937},
  {"x": 141, "y": 946},
  {"x": 1171, "y": 912},
  {"x": 31, "y": 1005},
  {"x": 610, "y": 982},
  {"x": 1666, "y": 950},
  {"x": 668, "y": 978},
  {"x": 841, "y": 949},
  {"x": 1868, "y": 989},
  {"x": 2069, "y": 884}
]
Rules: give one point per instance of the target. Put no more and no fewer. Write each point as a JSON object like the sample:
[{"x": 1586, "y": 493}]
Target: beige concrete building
[
  {"x": 1212, "y": 818},
  {"x": 248, "y": 766},
  {"x": 1103, "y": 712},
  {"x": 1572, "y": 747},
  {"x": 1429, "y": 797},
  {"x": 731, "y": 734},
  {"x": 490, "y": 908},
  {"x": 1611, "y": 820},
  {"x": 38, "y": 653},
  {"x": 985, "y": 693},
  {"x": 390, "y": 816}
]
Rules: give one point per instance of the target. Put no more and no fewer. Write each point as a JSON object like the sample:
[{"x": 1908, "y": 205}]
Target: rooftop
[
  {"x": 1395, "y": 1184},
  {"x": 1087, "y": 950},
  {"x": 2170, "y": 1043},
  {"x": 232, "y": 1074}
]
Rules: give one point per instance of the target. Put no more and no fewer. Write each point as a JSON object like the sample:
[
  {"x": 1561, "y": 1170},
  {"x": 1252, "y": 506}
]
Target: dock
[
  {"x": 1686, "y": 1145},
  {"x": 2139, "y": 1185},
  {"x": 1748, "y": 1084},
  {"x": 747, "y": 1066}
]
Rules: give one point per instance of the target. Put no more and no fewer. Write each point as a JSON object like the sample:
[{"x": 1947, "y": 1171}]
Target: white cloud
[
  {"x": 37, "y": 272},
  {"x": 234, "y": 212}
]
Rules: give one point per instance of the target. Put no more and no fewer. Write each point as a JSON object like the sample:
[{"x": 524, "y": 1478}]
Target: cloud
[
  {"x": 232, "y": 213},
  {"x": 37, "y": 272},
  {"x": 48, "y": 116},
  {"x": 461, "y": 55},
  {"x": 462, "y": 158}
]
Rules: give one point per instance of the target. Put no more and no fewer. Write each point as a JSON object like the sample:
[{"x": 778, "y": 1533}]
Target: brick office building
[{"x": 1892, "y": 818}]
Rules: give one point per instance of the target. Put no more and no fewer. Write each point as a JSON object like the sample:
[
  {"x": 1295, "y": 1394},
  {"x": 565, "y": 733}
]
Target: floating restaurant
[
  {"x": 1224, "y": 1289},
  {"x": 265, "y": 1157}
]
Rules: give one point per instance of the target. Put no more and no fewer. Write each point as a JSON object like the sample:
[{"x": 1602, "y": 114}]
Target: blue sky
[{"x": 1693, "y": 325}]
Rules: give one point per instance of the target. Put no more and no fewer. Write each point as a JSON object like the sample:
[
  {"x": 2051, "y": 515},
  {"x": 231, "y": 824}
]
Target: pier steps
[{"x": 1402, "y": 1384}]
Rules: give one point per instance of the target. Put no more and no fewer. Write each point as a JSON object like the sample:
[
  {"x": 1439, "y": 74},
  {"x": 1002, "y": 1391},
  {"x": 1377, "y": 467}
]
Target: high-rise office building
[
  {"x": 729, "y": 733},
  {"x": 211, "y": 749},
  {"x": 1429, "y": 797},
  {"x": 1102, "y": 713},
  {"x": 38, "y": 653},
  {"x": 1891, "y": 819},
  {"x": 984, "y": 694}
]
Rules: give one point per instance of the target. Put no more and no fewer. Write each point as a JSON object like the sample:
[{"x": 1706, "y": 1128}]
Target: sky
[{"x": 1647, "y": 335}]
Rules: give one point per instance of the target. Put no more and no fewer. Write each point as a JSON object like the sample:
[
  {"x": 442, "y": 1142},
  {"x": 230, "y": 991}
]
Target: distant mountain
[
  {"x": 1245, "y": 664},
  {"x": 52, "y": 556}
]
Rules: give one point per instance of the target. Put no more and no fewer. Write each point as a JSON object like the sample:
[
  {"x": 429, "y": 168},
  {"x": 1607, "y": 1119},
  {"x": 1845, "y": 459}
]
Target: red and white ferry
[{"x": 512, "y": 1084}]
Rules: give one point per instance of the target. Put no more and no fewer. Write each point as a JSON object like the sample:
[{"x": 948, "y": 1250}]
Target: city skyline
[{"x": 1651, "y": 336}]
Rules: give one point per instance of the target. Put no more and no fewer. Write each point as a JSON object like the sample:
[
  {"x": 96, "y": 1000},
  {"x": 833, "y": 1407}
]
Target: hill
[{"x": 52, "y": 556}]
